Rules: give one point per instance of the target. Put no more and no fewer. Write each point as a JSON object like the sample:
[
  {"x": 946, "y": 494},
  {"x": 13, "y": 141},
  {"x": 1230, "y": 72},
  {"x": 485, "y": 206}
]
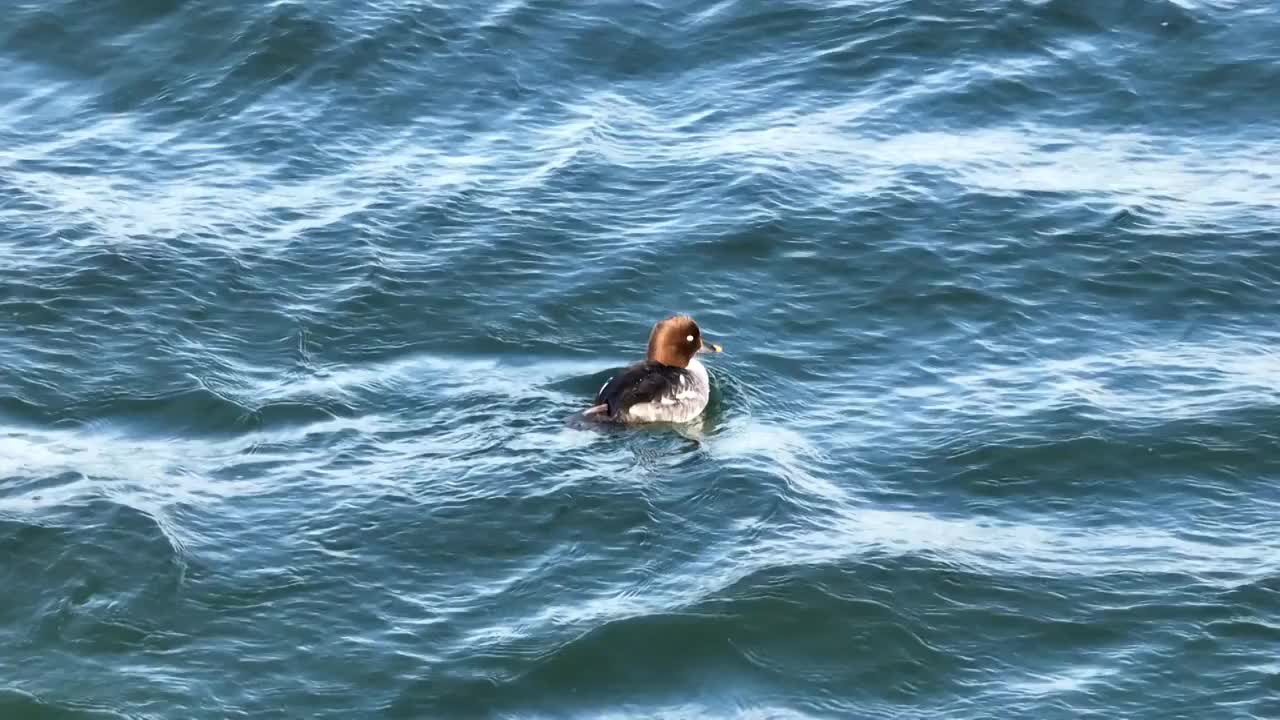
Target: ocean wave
[{"x": 297, "y": 299}]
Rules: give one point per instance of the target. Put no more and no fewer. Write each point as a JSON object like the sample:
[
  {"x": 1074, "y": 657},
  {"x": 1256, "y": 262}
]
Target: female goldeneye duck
[{"x": 669, "y": 385}]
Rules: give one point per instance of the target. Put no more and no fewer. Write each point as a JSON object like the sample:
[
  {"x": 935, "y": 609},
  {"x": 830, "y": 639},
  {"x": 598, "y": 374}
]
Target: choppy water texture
[{"x": 295, "y": 299}]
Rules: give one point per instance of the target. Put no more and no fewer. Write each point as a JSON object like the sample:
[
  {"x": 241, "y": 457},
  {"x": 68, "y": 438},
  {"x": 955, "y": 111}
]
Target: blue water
[{"x": 295, "y": 299}]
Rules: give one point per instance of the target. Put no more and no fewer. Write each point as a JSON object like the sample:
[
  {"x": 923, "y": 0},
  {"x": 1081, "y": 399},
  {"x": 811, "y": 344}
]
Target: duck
[{"x": 670, "y": 385}]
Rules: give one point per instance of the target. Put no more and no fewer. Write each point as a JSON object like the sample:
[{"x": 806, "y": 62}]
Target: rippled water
[{"x": 295, "y": 299}]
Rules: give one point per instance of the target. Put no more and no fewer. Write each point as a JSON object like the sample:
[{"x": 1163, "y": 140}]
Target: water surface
[{"x": 295, "y": 298}]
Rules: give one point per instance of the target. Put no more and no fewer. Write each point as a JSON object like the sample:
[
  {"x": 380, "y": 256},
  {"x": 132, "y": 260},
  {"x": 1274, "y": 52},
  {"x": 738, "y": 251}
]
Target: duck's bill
[{"x": 708, "y": 347}]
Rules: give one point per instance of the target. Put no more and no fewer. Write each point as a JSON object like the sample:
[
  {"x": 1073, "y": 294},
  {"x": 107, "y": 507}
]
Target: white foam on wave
[
  {"x": 843, "y": 530},
  {"x": 1002, "y": 547},
  {"x": 713, "y": 707},
  {"x": 105, "y": 461},
  {"x": 449, "y": 375},
  {"x": 855, "y": 536},
  {"x": 1179, "y": 380},
  {"x": 1187, "y": 181},
  {"x": 781, "y": 450},
  {"x": 108, "y": 458}
]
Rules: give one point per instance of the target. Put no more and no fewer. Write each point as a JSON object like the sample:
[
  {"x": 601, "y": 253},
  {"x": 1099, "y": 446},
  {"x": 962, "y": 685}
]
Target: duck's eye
[{"x": 690, "y": 338}]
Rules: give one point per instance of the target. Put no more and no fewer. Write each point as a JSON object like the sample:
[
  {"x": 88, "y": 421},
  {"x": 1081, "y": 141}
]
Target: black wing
[{"x": 642, "y": 382}]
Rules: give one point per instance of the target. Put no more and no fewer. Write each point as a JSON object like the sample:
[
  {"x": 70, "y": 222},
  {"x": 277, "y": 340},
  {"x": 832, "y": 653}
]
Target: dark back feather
[{"x": 642, "y": 382}]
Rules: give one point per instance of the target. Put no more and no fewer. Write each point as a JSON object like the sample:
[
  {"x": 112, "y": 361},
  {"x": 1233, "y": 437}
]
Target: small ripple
[{"x": 19, "y": 704}]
